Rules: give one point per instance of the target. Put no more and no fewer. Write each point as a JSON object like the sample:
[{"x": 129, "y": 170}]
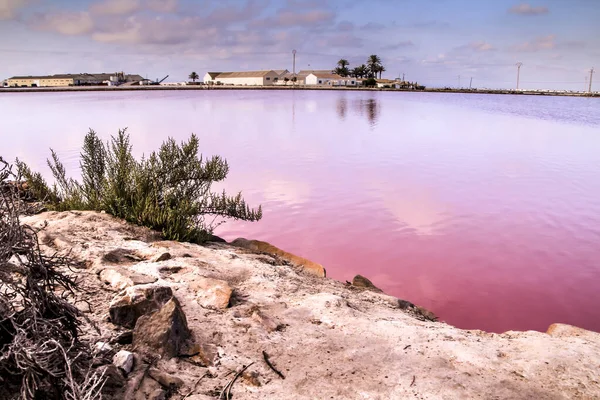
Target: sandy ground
[{"x": 328, "y": 339}]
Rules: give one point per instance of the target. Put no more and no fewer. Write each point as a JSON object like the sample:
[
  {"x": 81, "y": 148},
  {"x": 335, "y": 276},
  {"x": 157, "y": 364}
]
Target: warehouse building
[
  {"x": 245, "y": 78},
  {"x": 72, "y": 80}
]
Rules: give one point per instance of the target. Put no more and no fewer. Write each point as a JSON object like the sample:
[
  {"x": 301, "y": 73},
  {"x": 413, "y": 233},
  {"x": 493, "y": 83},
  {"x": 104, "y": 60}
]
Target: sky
[{"x": 434, "y": 42}]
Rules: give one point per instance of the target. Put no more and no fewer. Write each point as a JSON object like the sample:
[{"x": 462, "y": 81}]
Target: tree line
[{"x": 371, "y": 69}]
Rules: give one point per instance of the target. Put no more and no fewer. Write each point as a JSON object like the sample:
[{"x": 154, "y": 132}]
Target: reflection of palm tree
[
  {"x": 342, "y": 106},
  {"x": 371, "y": 108}
]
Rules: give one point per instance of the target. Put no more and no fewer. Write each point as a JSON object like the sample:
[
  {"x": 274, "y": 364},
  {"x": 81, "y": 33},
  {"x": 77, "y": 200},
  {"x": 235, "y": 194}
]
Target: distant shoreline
[{"x": 202, "y": 87}]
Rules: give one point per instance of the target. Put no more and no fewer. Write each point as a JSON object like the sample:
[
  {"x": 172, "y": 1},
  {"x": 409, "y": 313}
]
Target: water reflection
[{"x": 362, "y": 107}]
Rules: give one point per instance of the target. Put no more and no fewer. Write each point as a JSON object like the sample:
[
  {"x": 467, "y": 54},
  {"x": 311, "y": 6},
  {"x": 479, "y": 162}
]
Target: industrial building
[
  {"x": 245, "y": 78},
  {"x": 108, "y": 79},
  {"x": 280, "y": 77}
]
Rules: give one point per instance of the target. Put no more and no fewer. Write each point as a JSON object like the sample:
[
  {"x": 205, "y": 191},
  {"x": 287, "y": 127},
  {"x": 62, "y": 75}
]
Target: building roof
[
  {"x": 99, "y": 76},
  {"x": 326, "y": 75},
  {"x": 242, "y": 74},
  {"x": 281, "y": 71},
  {"x": 213, "y": 75},
  {"x": 387, "y": 81}
]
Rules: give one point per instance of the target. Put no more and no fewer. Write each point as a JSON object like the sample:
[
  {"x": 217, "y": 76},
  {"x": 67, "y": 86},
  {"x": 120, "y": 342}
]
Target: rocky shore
[{"x": 249, "y": 321}]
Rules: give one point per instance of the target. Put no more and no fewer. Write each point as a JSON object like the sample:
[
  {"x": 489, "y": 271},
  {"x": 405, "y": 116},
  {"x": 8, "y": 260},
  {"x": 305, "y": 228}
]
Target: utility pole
[
  {"x": 519, "y": 65},
  {"x": 403, "y": 77},
  {"x": 471, "y": 84},
  {"x": 294, "y": 56},
  {"x": 591, "y": 76}
]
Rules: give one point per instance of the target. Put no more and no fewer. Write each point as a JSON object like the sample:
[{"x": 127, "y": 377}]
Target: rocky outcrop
[
  {"x": 326, "y": 338},
  {"x": 163, "y": 332},
  {"x": 264, "y": 247},
  {"x": 120, "y": 278},
  {"x": 131, "y": 304},
  {"x": 211, "y": 293},
  {"x": 362, "y": 282}
]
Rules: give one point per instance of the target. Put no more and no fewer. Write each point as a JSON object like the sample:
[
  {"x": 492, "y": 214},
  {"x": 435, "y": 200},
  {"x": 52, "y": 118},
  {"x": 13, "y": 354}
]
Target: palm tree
[
  {"x": 360, "y": 71},
  {"x": 193, "y": 76},
  {"x": 381, "y": 70},
  {"x": 373, "y": 64},
  {"x": 342, "y": 68}
]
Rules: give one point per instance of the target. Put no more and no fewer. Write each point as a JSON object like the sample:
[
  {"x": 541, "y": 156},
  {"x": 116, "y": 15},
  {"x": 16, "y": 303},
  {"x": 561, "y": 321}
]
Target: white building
[
  {"x": 245, "y": 78},
  {"x": 328, "y": 78}
]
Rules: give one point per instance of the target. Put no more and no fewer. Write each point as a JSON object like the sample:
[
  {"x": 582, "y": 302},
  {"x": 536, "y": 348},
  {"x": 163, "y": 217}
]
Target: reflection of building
[
  {"x": 73, "y": 80},
  {"x": 244, "y": 78}
]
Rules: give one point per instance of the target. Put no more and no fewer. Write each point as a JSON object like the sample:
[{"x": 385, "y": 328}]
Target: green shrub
[
  {"x": 371, "y": 82},
  {"x": 169, "y": 191}
]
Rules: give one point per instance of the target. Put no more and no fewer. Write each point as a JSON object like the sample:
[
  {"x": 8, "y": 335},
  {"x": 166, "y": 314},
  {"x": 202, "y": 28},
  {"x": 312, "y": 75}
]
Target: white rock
[
  {"x": 103, "y": 347},
  {"x": 124, "y": 360}
]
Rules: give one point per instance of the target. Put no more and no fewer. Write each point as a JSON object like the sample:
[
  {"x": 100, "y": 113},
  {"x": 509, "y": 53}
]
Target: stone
[
  {"x": 201, "y": 354},
  {"x": 158, "y": 394},
  {"x": 167, "y": 380},
  {"x": 164, "y": 332},
  {"x": 114, "y": 378},
  {"x": 565, "y": 330},
  {"x": 121, "y": 256},
  {"x": 120, "y": 278},
  {"x": 124, "y": 360},
  {"x": 123, "y": 338},
  {"x": 135, "y": 301},
  {"x": 163, "y": 257},
  {"x": 103, "y": 347},
  {"x": 362, "y": 282},
  {"x": 306, "y": 265},
  {"x": 211, "y": 293}
]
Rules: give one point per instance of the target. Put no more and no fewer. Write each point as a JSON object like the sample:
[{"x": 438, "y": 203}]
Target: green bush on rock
[{"x": 169, "y": 191}]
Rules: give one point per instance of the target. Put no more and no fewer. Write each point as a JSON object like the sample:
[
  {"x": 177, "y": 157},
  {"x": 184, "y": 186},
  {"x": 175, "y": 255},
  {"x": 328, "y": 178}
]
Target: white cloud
[
  {"x": 116, "y": 7},
  {"x": 526, "y": 9},
  {"x": 481, "y": 46},
  {"x": 9, "y": 8},
  {"x": 66, "y": 23},
  {"x": 540, "y": 43}
]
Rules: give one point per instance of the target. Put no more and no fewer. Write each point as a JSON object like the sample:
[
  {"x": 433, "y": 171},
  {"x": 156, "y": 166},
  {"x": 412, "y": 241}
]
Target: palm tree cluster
[{"x": 371, "y": 69}]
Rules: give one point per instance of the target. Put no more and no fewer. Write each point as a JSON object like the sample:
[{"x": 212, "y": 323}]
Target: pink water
[{"x": 484, "y": 209}]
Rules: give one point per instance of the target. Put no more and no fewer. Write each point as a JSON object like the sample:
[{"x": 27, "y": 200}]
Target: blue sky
[{"x": 430, "y": 41}]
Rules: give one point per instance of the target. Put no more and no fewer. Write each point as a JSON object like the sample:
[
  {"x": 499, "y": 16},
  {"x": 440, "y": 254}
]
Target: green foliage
[
  {"x": 170, "y": 191},
  {"x": 194, "y": 76},
  {"x": 370, "y": 82},
  {"x": 36, "y": 184}
]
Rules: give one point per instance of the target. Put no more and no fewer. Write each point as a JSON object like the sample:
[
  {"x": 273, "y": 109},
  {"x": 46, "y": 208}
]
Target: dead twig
[
  {"x": 266, "y": 357},
  {"x": 227, "y": 389},
  {"x": 413, "y": 381},
  {"x": 406, "y": 347},
  {"x": 195, "y": 386}
]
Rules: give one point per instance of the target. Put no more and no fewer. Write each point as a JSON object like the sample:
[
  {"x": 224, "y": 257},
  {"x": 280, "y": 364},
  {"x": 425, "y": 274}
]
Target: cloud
[
  {"x": 295, "y": 18},
  {"x": 65, "y": 23},
  {"x": 162, "y": 6},
  {"x": 10, "y": 8},
  {"x": 540, "y": 43},
  {"x": 526, "y": 9},
  {"x": 399, "y": 45},
  {"x": 372, "y": 26},
  {"x": 479, "y": 46},
  {"x": 116, "y": 7},
  {"x": 345, "y": 26}
]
